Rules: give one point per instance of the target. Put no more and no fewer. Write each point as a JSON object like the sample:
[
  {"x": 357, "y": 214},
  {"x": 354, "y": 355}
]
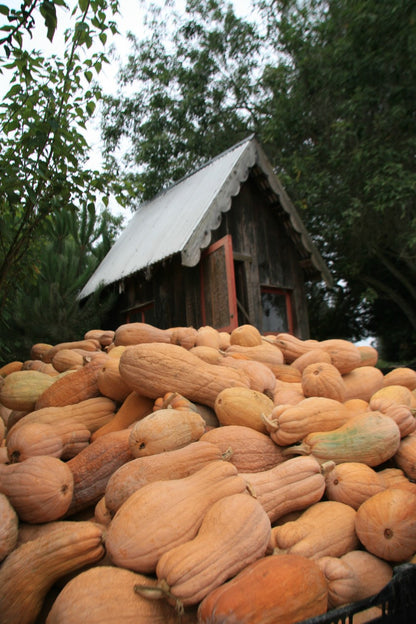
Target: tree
[
  {"x": 43, "y": 116},
  {"x": 328, "y": 86}
]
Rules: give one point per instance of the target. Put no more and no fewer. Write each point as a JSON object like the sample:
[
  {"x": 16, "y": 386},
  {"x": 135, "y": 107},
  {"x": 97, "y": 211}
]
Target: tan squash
[
  {"x": 211, "y": 355},
  {"x": 41, "y": 367},
  {"x": 93, "y": 466},
  {"x": 133, "y": 408},
  {"x": 391, "y": 476},
  {"x": 102, "y": 514},
  {"x": 9, "y": 527},
  {"x": 402, "y": 415},
  {"x": 283, "y": 589},
  {"x": 395, "y": 393},
  {"x": 386, "y": 524},
  {"x": 32, "y": 569},
  {"x": 110, "y": 383},
  {"x": 63, "y": 439},
  {"x": 368, "y": 355},
  {"x": 323, "y": 380},
  {"x": 225, "y": 340},
  {"x": 165, "y": 430},
  {"x": 86, "y": 345},
  {"x": 154, "y": 369},
  {"x": 139, "y": 333},
  {"x": 352, "y": 483},
  {"x": 370, "y": 437},
  {"x": 243, "y": 406},
  {"x": 266, "y": 353},
  {"x": 290, "y": 486},
  {"x": 20, "y": 390},
  {"x": 73, "y": 387},
  {"x": 183, "y": 336},
  {"x": 286, "y": 372},
  {"x": 234, "y": 532},
  {"x": 92, "y": 413},
  {"x": 326, "y": 528},
  {"x": 345, "y": 355},
  {"x": 40, "y": 488},
  {"x": 362, "y": 382},
  {"x": 166, "y": 513},
  {"x": 38, "y": 350},
  {"x": 11, "y": 367},
  {"x": 107, "y": 594},
  {"x": 288, "y": 393},
  {"x": 174, "y": 464},
  {"x": 313, "y": 356},
  {"x": 207, "y": 336},
  {"x": 288, "y": 424},
  {"x": 104, "y": 336},
  {"x": 67, "y": 359},
  {"x": 261, "y": 377},
  {"x": 293, "y": 347},
  {"x": 355, "y": 576},
  {"x": 251, "y": 450},
  {"x": 405, "y": 456},
  {"x": 401, "y": 376},
  {"x": 246, "y": 335}
]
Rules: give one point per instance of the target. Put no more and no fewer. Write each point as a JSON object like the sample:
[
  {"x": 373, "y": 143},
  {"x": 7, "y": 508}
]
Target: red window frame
[{"x": 287, "y": 294}]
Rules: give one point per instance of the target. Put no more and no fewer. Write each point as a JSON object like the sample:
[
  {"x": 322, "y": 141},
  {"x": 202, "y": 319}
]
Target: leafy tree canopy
[{"x": 329, "y": 88}]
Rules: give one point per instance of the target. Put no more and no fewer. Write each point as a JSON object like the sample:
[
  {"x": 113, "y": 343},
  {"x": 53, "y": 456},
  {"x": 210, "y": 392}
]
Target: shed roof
[{"x": 181, "y": 218}]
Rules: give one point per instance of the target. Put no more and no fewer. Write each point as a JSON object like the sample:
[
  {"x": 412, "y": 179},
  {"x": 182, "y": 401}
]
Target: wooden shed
[{"x": 223, "y": 246}]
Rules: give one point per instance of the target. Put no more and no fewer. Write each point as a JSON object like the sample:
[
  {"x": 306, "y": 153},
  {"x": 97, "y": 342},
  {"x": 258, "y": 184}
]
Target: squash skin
[
  {"x": 140, "y": 471},
  {"x": 234, "y": 532},
  {"x": 370, "y": 437},
  {"x": 90, "y": 345},
  {"x": 261, "y": 377},
  {"x": 20, "y": 390},
  {"x": 405, "y": 457},
  {"x": 401, "y": 376},
  {"x": 323, "y": 380},
  {"x": 9, "y": 527},
  {"x": 386, "y": 524},
  {"x": 290, "y": 486},
  {"x": 165, "y": 430},
  {"x": 134, "y": 407},
  {"x": 243, "y": 406},
  {"x": 107, "y": 596},
  {"x": 362, "y": 382},
  {"x": 40, "y": 488},
  {"x": 31, "y": 569},
  {"x": 352, "y": 483},
  {"x": 140, "y": 333},
  {"x": 325, "y": 528},
  {"x": 246, "y": 335},
  {"x": 92, "y": 467},
  {"x": 283, "y": 589},
  {"x": 251, "y": 450},
  {"x": 164, "y": 514},
  {"x": 157, "y": 368},
  {"x": 266, "y": 353}
]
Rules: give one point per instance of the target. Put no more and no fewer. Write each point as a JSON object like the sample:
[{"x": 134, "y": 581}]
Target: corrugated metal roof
[{"x": 181, "y": 219}]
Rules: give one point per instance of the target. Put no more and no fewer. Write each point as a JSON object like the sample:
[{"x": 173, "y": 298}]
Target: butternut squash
[
  {"x": 326, "y": 528},
  {"x": 370, "y": 437},
  {"x": 154, "y": 369},
  {"x": 242, "y": 406},
  {"x": 293, "y": 347},
  {"x": 261, "y": 377},
  {"x": 139, "y": 333},
  {"x": 266, "y": 353},
  {"x": 164, "y": 514},
  {"x": 87, "y": 345},
  {"x": 401, "y": 376},
  {"x": 283, "y": 589},
  {"x": 133, "y": 408},
  {"x": 352, "y": 483},
  {"x": 92, "y": 467},
  {"x": 402, "y": 415},
  {"x": 362, "y": 382},
  {"x": 246, "y": 335},
  {"x": 323, "y": 380},
  {"x": 9, "y": 527},
  {"x": 39, "y": 488},
  {"x": 20, "y": 390},
  {"x": 109, "y": 381},
  {"x": 107, "y": 595},
  {"x": 293, "y": 485},
  {"x": 32, "y": 569},
  {"x": 313, "y": 356},
  {"x": 234, "y": 532},
  {"x": 251, "y": 450},
  {"x": 386, "y": 524},
  {"x": 165, "y": 430},
  {"x": 174, "y": 464},
  {"x": 345, "y": 356},
  {"x": 207, "y": 336},
  {"x": 405, "y": 456}
]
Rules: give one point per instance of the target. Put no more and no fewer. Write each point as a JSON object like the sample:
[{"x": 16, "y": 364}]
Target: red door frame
[
  {"x": 225, "y": 242},
  {"x": 288, "y": 301}
]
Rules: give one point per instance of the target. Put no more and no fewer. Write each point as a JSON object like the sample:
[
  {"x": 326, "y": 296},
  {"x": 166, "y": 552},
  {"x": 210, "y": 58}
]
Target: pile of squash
[{"x": 197, "y": 476}]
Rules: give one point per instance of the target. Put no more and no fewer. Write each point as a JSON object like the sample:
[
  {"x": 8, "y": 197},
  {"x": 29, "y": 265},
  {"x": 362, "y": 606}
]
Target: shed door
[{"x": 218, "y": 294}]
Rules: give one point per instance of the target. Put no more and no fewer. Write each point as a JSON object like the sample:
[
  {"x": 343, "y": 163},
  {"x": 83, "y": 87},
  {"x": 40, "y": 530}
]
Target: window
[
  {"x": 276, "y": 310},
  {"x": 142, "y": 314}
]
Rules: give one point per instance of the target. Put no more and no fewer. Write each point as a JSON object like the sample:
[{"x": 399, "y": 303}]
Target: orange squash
[
  {"x": 107, "y": 595},
  {"x": 242, "y": 406},
  {"x": 402, "y": 415},
  {"x": 323, "y": 380},
  {"x": 405, "y": 456},
  {"x": 283, "y": 589},
  {"x": 266, "y": 353},
  {"x": 174, "y": 464},
  {"x": 40, "y": 488},
  {"x": 139, "y": 333},
  {"x": 9, "y": 527},
  {"x": 368, "y": 355},
  {"x": 212, "y": 355},
  {"x": 293, "y": 347},
  {"x": 165, "y": 430},
  {"x": 86, "y": 345},
  {"x": 207, "y": 336},
  {"x": 326, "y": 528},
  {"x": 401, "y": 376},
  {"x": 345, "y": 356},
  {"x": 370, "y": 437},
  {"x": 164, "y": 514},
  {"x": 234, "y": 532},
  {"x": 362, "y": 383},
  {"x": 109, "y": 381},
  {"x": 183, "y": 336},
  {"x": 20, "y": 390},
  {"x": 34, "y": 567},
  {"x": 261, "y": 377},
  {"x": 386, "y": 524},
  {"x": 251, "y": 450},
  {"x": 313, "y": 356},
  {"x": 10, "y": 367},
  {"x": 157, "y": 368},
  {"x": 352, "y": 483},
  {"x": 246, "y": 335},
  {"x": 133, "y": 408}
]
